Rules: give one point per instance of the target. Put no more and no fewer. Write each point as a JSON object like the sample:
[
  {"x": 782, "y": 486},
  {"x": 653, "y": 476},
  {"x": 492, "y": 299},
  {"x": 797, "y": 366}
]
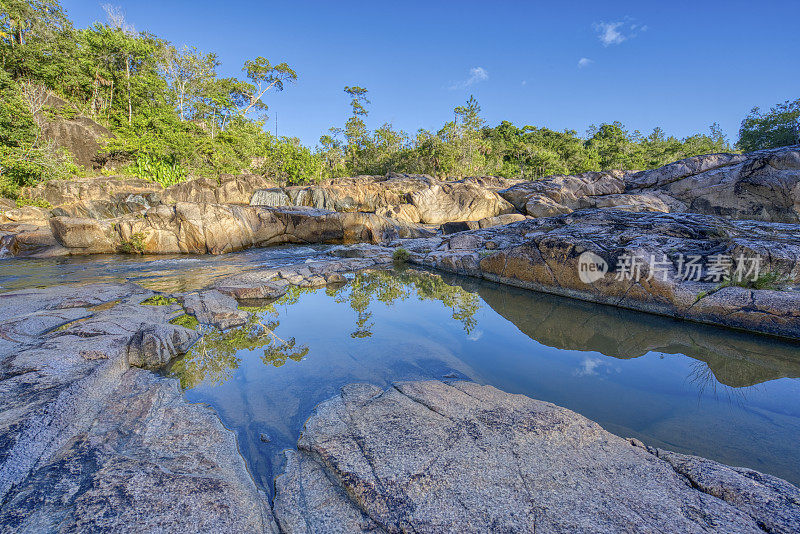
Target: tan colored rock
[
  {"x": 458, "y": 202},
  {"x": 25, "y": 239},
  {"x": 559, "y": 194},
  {"x": 229, "y": 189},
  {"x": 85, "y": 236},
  {"x": 111, "y": 189},
  {"x": 197, "y": 228},
  {"x": 26, "y": 214},
  {"x": 402, "y": 212},
  {"x": 499, "y": 220}
]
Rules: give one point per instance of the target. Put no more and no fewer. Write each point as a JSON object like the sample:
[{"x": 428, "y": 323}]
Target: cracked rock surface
[
  {"x": 461, "y": 457},
  {"x": 89, "y": 441}
]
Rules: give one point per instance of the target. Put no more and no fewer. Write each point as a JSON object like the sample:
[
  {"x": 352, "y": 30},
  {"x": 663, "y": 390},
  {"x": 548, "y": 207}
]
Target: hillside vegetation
[{"x": 172, "y": 116}]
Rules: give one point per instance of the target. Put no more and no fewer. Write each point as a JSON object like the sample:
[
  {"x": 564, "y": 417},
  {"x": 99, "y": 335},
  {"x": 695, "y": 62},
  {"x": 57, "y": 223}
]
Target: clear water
[
  {"x": 695, "y": 389},
  {"x": 720, "y": 394},
  {"x": 160, "y": 273}
]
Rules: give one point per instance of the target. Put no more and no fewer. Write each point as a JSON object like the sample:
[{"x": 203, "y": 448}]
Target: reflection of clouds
[
  {"x": 476, "y": 335},
  {"x": 588, "y": 367}
]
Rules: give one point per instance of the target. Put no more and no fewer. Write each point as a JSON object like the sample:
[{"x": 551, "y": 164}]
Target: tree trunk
[{"x": 128, "y": 76}]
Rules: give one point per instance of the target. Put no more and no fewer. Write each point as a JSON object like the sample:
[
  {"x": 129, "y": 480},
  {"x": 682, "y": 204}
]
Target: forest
[{"x": 172, "y": 116}]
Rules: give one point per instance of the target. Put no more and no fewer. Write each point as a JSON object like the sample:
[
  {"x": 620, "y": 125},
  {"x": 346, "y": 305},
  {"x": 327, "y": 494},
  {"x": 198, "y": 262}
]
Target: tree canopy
[{"x": 172, "y": 117}]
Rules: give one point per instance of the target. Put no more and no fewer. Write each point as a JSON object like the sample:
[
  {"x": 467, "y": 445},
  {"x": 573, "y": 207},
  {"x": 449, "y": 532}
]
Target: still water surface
[{"x": 726, "y": 395}]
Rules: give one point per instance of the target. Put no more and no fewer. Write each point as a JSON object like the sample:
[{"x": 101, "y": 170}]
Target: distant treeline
[{"x": 173, "y": 116}]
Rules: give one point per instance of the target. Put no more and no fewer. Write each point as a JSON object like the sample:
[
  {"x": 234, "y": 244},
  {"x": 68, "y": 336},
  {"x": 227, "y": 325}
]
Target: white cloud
[
  {"x": 584, "y": 62},
  {"x": 524, "y": 82},
  {"x": 614, "y": 33},
  {"x": 476, "y": 75},
  {"x": 609, "y": 32},
  {"x": 476, "y": 335},
  {"x": 588, "y": 367}
]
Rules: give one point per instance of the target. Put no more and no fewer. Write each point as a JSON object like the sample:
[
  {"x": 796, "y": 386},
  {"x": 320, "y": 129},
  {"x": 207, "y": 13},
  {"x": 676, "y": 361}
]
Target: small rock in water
[
  {"x": 451, "y": 375},
  {"x": 264, "y": 437}
]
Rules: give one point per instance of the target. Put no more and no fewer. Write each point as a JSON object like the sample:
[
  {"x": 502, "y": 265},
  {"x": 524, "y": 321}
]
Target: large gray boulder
[
  {"x": 433, "y": 457},
  {"x": 762, "y": 186}
]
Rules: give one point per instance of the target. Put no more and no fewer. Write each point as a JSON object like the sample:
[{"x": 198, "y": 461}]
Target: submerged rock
[{"x": 432, "y": 457}]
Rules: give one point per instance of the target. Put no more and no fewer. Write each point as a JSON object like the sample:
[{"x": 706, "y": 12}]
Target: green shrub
[
  {"x": 765, "y": 280},
  {"x": 27, "y": 166},
  {"x": 401, "y": 255},
  {"x": 159, "y": 300},
  {"x": 38, "y": 202},
  {"x": 134, "y": 245},
  {"x": 165, "y": 172},
  {"x": 186, "y": 321}
]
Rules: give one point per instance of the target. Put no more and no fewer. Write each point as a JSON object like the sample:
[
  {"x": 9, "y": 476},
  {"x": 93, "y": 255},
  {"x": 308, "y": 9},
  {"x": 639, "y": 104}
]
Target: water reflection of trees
[
  {"x": 215, "y": 357},
  {"x": 389, "y": 287}
]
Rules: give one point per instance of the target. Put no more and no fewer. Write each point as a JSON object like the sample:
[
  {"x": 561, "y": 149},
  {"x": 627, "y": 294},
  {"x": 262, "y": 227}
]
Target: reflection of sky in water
[{"x": 701, "y": 390}]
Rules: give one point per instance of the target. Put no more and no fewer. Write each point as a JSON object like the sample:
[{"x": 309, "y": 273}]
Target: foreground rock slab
[
  {"x": 433, "y": 457},
  {"x": 90, "y": 442}
]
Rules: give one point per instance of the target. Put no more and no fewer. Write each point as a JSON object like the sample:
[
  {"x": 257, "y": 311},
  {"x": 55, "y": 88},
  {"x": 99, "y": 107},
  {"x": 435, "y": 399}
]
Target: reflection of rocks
[
  {"x": 543, "y": 255},
  {"x": 425, "y": 456},
  {"x": 88, "y": 443},
  {"x": 736, "y": 359}
]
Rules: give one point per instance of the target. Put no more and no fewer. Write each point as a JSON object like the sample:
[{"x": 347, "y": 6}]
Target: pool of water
[{"x": 701, "y": 390}]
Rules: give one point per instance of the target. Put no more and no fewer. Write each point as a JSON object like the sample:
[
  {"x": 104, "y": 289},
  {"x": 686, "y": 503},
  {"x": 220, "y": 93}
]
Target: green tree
[
  {"x": 780, "y": 126},
  {"x": 188, "y": 72},
  {"x": 264, "y": 77}
]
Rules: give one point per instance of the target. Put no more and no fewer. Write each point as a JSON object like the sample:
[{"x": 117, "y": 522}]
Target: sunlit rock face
[
  {"x": 761, "y": 186},
  {"x": 459, "y": 457}
]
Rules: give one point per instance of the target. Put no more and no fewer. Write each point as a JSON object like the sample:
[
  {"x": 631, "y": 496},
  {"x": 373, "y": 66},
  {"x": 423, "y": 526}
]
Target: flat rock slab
[
  {"x": 433, "y": 457},
  {"x": 150, "y": 462}
]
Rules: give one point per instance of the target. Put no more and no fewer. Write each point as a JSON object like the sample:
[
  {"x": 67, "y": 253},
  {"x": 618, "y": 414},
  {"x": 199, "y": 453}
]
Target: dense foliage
[
  {"x": 780, "y": 126},
  {"x": 172, "y": 117}
]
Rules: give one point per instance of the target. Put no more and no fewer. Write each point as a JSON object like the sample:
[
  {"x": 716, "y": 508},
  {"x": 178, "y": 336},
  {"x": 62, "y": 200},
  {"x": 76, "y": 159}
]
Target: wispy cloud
[
  {"x": 584, "y": 62},
  {"x": 476, "y": 75},
  {"x": 588, "y": 367},
  {"x": 614, "y": 33}
]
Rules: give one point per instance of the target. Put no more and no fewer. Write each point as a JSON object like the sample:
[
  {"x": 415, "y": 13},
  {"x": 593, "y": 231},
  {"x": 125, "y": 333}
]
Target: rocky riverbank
[
  {"x": 104, "y": 215},
  {"x": 641, "y": 262}
]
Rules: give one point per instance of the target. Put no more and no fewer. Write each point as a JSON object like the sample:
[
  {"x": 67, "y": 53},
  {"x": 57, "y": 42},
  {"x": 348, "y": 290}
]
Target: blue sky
[{"x": 679, "y": 65}]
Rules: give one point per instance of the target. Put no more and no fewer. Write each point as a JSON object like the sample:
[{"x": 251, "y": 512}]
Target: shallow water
[
  {"x": 725, "y": 395},
  {"x": 159, "y": 273}
]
